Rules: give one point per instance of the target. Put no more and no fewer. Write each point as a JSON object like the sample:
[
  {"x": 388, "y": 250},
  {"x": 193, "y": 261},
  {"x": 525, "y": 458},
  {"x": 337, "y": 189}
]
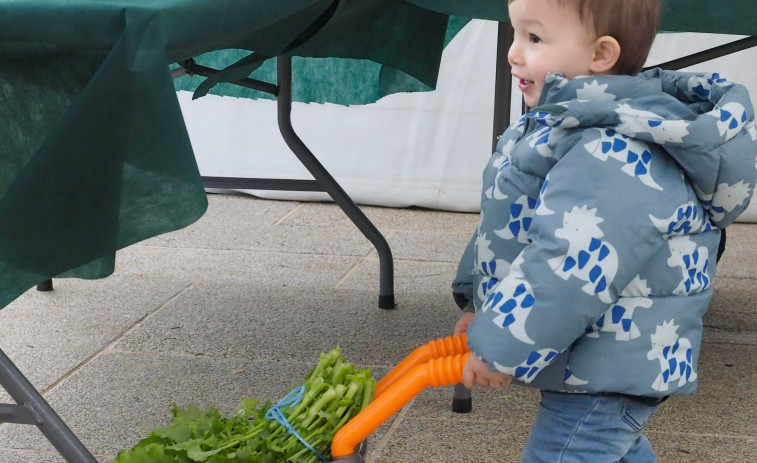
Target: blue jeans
[{"x": 592, "y": 428}]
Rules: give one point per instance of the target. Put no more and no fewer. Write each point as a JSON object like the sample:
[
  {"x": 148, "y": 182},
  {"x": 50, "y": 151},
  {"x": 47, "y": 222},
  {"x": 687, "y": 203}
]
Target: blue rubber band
[{"x": 275, "y": 413}]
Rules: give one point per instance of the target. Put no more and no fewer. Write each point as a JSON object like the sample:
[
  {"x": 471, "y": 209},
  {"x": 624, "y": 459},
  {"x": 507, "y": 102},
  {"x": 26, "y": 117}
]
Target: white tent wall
[{"x": 408, "y": 149}]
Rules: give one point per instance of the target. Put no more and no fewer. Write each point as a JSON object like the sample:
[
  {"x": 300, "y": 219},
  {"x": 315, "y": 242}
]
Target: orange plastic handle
[
  {"x": 436, "y": 372},
  {"x": 442, "y": 347}
]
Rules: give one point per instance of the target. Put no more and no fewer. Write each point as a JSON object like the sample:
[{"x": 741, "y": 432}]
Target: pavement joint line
[
  {"x": 114, "y": 341},
  {"x": 250, "y": 251},
  {"x": 704, "y": 434},
  {"x": 392, "y": 427},
  {"x": 360, "y": 261},
  {"x": 53, "y": 453},
  {"x": 288, "y": 214},
  {"x": 349, "y": 272}
]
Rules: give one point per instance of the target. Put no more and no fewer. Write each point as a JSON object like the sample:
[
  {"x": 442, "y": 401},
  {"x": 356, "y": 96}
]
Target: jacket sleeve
[
  {"x": 589, "y": 237},
  {"x": 462, "y": 285}
]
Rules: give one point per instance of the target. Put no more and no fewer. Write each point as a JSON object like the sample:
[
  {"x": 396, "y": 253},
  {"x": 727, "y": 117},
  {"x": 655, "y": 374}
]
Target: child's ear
[{"x": 606, "y": 54}]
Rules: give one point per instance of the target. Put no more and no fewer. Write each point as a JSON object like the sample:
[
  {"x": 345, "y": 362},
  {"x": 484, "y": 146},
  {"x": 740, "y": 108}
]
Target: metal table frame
[{"x": 323, "y": 180}]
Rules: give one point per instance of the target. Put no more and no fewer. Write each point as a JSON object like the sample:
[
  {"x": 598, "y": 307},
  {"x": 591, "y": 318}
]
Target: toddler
[{"x": 601, "y": 213}]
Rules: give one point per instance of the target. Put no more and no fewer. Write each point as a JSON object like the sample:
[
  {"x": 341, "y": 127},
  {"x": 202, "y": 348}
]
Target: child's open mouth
[{"x": 524, "y": 84}]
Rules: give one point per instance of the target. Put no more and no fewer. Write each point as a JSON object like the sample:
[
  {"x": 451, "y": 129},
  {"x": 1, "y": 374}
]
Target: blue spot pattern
[
  {"x": 505, "y": 163},
  {"x": 619, "y": 144},
  {"x": 543, "y": 137},
  {"x": 511, "y": 303},
  {"x": 686, "y": 217},
  {"x": 541, "y": 193},
  {"x": 725, "y": 115},
  {"x": 529, "y": 370},
  {"x": 616, "y": 316},
  {"x": 702, "y": 91},
  {"x": 683, "y": 366},
  {"x": 517, "y": 220},
  {"x": 489, "y": 268},
  {"x": 596, "y": 246},
  {"x": 545, "y": 118},
  {"x": 693, "y": 276}
]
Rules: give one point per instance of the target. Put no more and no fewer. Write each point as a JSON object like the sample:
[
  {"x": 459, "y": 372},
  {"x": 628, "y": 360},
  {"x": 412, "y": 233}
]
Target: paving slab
[
  {"x": 741, "y": 252},
  {"x": 725, "y": 401},
  {"x": 419, "y": 440},
  {"x": 268, "y": 323},
  {"x": 30, "y": 456},
  {"x": 119, "y": 397},
  {"x": 678, "y": 448},
  {"x": 277, "y": 269},
  {"x": 241, "y": 303},
  {"x": 410, "y": 276},
  {"x": 49, "y": 334}
]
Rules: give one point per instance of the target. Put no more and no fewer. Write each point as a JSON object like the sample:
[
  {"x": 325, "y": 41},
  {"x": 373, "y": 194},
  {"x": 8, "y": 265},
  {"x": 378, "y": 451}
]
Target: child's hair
[{"x": 633, "y": 23}]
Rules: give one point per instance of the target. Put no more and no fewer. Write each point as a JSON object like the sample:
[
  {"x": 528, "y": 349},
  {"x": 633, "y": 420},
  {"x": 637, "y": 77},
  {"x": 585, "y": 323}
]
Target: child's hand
[
  {"x": 462, "y": 325},
  {"x": 476, "y": 371}
]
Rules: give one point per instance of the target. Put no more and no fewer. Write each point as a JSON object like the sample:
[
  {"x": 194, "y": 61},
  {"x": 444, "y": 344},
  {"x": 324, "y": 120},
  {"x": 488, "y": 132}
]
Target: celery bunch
[{"x": 334, "y": 392}]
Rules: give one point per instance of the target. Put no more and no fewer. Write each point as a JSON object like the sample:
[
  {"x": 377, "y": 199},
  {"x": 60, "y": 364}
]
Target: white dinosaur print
[
  {"x": 731, "y": 119},
  {"x": 727, "y": 198},
  {"x": 541, "y": 208},
  {"x": 588, "y": 258},
  {"x": 494, "y": 192},
  {"x": 635, "y": 121},
  {"x": 751, "y": 129},
  {"x": 513, "y": 300},
  {"x": 521, "y": 214},
  {"x": 542, "y": 139},
  {"x": 492, "y": 269},
  {"x": 615, "y": 145},
  {"x": 693, "y": 263},
  {"x": 573, "y": 380},
  {"x": 700, "y": 85},
  {"x": 686, "y": 220},
  {"x": 595, "y": 92},
  {"x": 539, "y": 141},
  {"x": 529, "y": 368},
  {"x": 619, "y": 318},
  {"x": 674, "y": 354}
]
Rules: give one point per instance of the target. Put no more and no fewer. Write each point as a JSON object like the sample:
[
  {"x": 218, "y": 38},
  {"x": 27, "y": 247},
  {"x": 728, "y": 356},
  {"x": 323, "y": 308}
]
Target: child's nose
[{"x": 514, "y": 55}]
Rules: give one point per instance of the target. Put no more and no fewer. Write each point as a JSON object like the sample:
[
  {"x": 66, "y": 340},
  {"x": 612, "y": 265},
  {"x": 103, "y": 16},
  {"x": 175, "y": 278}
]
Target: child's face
[{"x": 549, "y": 37}]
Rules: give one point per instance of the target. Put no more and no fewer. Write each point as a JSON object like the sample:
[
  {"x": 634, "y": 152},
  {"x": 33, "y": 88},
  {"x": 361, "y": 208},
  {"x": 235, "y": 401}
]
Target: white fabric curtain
[{"x": 408, "y": 149}]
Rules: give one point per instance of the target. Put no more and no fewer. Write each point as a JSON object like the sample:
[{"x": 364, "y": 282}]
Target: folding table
[
  {"x": 96, "y": 156},
  {"x": 95, "y": 153}
]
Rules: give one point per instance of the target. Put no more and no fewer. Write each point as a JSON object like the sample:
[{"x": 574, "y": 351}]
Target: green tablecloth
[
  {"x": 365, "y": 80},
  {"x": 95, "y": 154}
]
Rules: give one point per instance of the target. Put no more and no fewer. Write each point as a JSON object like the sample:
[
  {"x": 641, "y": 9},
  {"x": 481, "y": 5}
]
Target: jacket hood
[{"x": 703, "y": 121}]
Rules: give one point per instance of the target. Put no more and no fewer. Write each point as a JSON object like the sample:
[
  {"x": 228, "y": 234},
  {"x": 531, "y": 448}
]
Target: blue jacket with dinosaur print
[{"x": 601, "y": 211}]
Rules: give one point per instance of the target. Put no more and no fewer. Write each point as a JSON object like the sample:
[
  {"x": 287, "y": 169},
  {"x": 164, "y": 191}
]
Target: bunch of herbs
[{"x": 335, "y": 391}]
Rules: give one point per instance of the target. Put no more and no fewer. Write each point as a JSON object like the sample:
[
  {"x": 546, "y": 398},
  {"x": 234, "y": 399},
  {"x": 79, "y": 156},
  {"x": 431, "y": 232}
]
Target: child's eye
[{"x": 534, "y": 38}]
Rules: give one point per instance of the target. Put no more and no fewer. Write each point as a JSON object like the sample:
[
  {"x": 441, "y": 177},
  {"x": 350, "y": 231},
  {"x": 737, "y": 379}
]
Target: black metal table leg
[
  {"x": 502, "y": 82},
  {"x": 330, "y": 186},
  {"x": 46, "y": 285},
  {"x": 32, "y": 408},
  {"x": 323, "y": 182}
]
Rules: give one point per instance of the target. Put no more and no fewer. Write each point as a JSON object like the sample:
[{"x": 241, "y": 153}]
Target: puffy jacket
[{"x": 601, "y": 211}]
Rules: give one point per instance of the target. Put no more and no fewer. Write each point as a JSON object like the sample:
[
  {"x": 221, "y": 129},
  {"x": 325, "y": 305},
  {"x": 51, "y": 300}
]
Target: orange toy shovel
[{"x": 438, "y": 363}]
